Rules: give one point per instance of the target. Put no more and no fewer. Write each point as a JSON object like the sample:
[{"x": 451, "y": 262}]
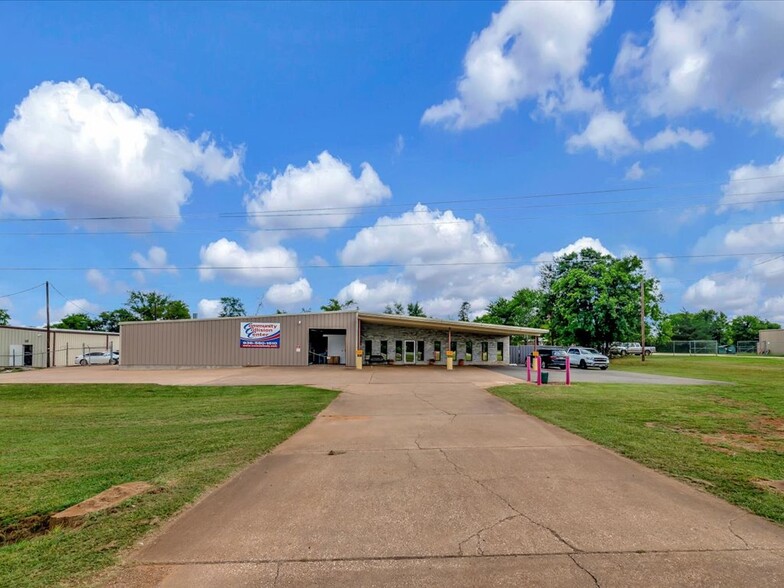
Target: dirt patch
[
  {"x": 735, "y": 441},
  {"x": 777, "y": 485},
  {"x": 107, "y": 499},
  {"x": 27, "y": 528}
]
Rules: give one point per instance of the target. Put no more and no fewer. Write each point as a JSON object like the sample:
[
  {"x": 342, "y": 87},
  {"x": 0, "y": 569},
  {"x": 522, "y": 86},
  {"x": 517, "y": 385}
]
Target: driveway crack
[
  {"x": 418, "y": 397},
  {"x": 553, "y": 532},
  {"x": 583, "y": 568},
  {"x": 729, "y": 526}
]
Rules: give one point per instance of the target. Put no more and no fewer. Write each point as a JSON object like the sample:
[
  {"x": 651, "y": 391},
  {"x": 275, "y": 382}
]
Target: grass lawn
[
  {"x": 62, "y": 444},
  {"x": 728, "y": 438}
]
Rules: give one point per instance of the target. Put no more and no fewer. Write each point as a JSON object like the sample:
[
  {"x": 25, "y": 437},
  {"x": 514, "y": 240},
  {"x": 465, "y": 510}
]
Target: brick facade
[{"x": 379, "y": 333}]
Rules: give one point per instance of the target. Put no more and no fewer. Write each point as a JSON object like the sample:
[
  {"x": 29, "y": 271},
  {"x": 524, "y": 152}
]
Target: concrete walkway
[{"x": 418, "y": 477}]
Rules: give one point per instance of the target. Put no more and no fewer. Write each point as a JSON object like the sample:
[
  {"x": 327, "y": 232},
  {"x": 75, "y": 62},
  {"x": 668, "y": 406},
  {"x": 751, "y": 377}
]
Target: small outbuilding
[
  {"x": 26, "y": 346},
  {"x": 771, "y": 341},
  {"x": 313, "y": 338}
]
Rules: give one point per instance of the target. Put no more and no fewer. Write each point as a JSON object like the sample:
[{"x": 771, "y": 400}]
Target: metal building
[
  {"x": 26, "y": 346},
  {"x": 318, "y": 337},
  {"x": 771, "y": 341}
]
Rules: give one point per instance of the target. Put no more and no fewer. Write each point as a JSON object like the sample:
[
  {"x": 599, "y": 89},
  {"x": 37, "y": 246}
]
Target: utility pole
[
  {"x": 642, "y": 318},
  {"x": 48, "y": 330}
]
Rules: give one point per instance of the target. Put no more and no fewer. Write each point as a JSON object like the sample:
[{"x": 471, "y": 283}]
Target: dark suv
[{"x": 549, "y": 355}]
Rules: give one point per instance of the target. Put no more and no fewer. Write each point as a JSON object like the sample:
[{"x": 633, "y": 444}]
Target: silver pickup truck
[{"x": 630, "y": 349}]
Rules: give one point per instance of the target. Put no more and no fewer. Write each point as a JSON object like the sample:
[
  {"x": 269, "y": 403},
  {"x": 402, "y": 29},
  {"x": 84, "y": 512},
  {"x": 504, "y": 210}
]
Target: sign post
[{"x": 260, "y": 335}]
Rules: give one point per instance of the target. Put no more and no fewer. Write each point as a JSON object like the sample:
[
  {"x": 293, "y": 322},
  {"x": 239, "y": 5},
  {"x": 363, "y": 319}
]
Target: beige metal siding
[
  {"x": 65, "y": 345},
  {"x": 216, "y": 342},
  {"x": 774, "y": 339}
]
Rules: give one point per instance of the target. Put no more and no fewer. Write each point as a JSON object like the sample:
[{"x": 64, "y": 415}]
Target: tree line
[{"x": 585, "y": 298}]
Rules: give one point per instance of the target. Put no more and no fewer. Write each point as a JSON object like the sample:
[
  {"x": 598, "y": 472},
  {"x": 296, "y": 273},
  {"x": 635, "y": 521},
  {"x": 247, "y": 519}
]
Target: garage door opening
[{"x": 327, "y": 346}]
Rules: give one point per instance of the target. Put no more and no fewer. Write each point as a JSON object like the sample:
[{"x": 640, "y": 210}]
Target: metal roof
[{"x": 455, "y": 326}]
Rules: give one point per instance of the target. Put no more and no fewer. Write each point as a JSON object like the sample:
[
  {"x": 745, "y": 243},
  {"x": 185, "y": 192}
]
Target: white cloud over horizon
[
  {"x": 291, "y": 198},
  {"x": 284, "y": 296},
  {"x": 209, "y": 308},
  {"x": 231, "y": 262},
  {"x": 529, "y": 51},
  {"x": 77, "y": 149},
  {"x": 708, "y": 56}
]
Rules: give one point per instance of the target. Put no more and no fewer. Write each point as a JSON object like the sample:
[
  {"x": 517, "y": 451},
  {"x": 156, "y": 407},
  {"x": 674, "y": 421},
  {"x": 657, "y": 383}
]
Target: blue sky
[{"x": 291, "y": 153}]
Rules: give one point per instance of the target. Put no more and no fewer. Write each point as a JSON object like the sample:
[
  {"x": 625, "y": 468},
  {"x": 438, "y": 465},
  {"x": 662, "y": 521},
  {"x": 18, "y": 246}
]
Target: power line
[
  {"x": 414, "y": 224},
  {"x": 334, "y": 209},
  {"x": 370, "y": 265},
  {"x": 71, "y": 300},
  {"x": 22, "y": 291}
]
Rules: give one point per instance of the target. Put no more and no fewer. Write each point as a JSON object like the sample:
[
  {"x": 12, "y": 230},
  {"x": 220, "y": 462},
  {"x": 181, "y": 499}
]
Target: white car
[
  {"x": 98, "y": 358},
  {"x": 587, "y": 357}
]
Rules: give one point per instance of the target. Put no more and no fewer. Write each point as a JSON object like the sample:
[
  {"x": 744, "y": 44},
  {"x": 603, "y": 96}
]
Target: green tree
[
  {"x": 5, "y": 318},
  {"x": 110, "y": 320},
  {"x": 747, "y": 328},
  {"x": 78, "y": 322},
  {"x": 594, "y": 299},
  {"x": 394, "y": 308},
  {"x": 465, "y": 311},
  {"x": 524, "y": 309},
  {"x": 704, "y": 325},
  {"x": 153, "y": 306},
  {"x": 231, "y": 306},
  {"x": 415, "y": 309},
  {"x": 334, "y": 304}
]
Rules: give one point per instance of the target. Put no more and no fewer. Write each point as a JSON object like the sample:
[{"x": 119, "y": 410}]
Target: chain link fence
[{"x": 23, "y": 356}]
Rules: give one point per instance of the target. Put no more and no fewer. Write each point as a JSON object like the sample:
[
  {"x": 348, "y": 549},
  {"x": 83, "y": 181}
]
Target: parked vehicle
[
  {"x": 587, "y": 357},
  {"x": 636, "y": 349},
  {"x": 546, "y": 354},
  {"x": 558, "y": 359},
  {"x": 98, "y": 358},
  {"x": 621, "y": 349}
]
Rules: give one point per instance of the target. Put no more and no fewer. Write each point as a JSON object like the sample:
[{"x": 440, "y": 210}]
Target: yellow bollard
[
  {"x": 360, "y": 353},
  {"x": 450, "y": 355}
]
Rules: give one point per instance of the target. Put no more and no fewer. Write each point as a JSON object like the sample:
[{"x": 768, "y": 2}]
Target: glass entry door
[{"x": 410, "y": 352}]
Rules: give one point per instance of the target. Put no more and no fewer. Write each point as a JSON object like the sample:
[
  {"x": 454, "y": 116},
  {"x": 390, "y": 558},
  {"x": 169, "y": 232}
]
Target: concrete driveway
[
  {"x": 609, "y": 376},
  {"x": 419, "y": 477}
]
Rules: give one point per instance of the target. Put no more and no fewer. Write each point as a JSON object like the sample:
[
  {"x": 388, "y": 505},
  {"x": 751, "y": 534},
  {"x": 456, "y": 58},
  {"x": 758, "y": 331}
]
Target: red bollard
[
  {"x": 528, "y": 368},
  {"x": 568, "y": 370},
  {"x": 538, "y": 371}
]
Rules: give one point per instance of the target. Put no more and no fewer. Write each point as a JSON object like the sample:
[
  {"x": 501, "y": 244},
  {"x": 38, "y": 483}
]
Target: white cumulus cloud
[
  {"x": 751, "y": 185},
  {"x": 209, "y": 308},
  {"x": 575, "y": 247},
  {"x": 74, "y": 306},
  {"x": 635, "y": 172},
  {"x": 736, "y": 295},
  {"x": 607, "y": 134},
  {"x": 669, "y": 137},
  {"x": 79, "y": 150},
  {"x": 530, "y": 50},
  {"x": 718, "y": 56},
  {"x": 373, "y": 295},
  {"x": 229, "y": 261},
  {"x": 757, "y": 236},
  {"x": 286, "y": 295},
  {"x": 287, "y": 199},
  {"x": 98, "y": 281}
]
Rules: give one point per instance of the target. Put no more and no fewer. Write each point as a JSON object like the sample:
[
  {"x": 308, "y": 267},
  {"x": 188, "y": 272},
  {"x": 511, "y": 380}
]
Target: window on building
[
  {"x": 420, "y": 356},
  {"x": 469, "y": 351},
  {"x": 437, "y": 350},
  {"x": 384, "y": 350},
  {"x": 453, "y": 348},
  {"x": 398, "y": 351},
  {"x": 368, "y": 348},
  {"x": 485, "y": 354},
  {"x": 499, "y": 353}
]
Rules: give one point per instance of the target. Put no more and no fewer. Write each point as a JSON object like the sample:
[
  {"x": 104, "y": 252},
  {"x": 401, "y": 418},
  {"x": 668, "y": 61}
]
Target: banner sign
[{"x": 260, "y": 335}]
